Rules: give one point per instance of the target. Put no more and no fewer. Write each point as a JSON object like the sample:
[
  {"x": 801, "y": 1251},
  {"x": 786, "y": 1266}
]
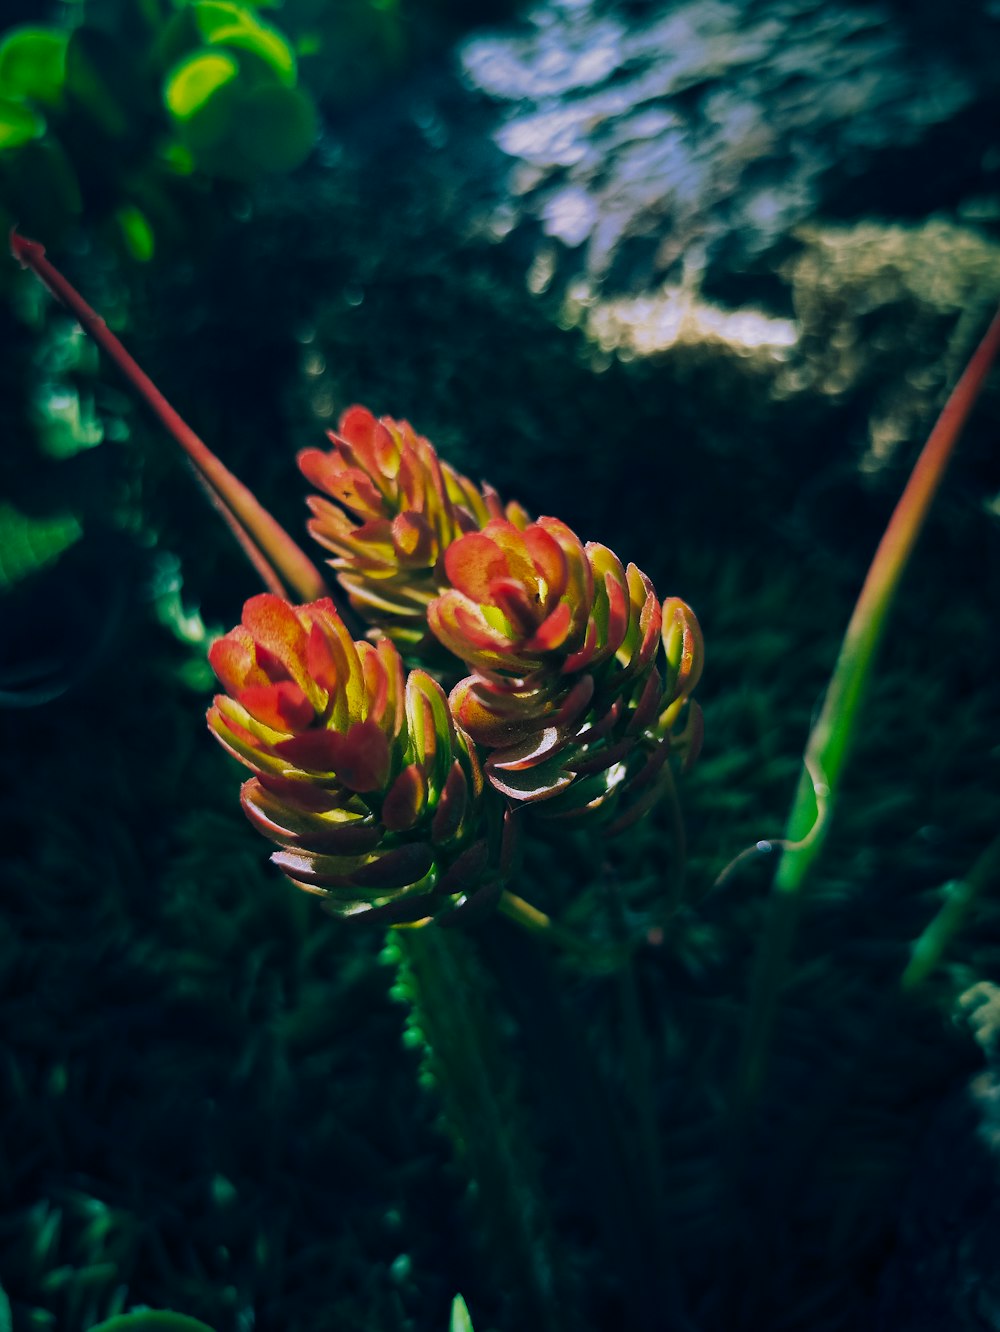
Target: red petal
[
  {"x": 376, "y": 681},
  {"x": 313, "y": 751},
  {"x": 412, "y": 537},
  {"x": 506, "y": 537},
  {"x": 295, "y": 827},
  {"x": 364, "y": 761},
  {"x": 237, "y": 739},
  {"x": 548, "y": 556},
  {"x": 538, "y": 783},
  {"x": 232, "y": 658},
  {"x": 283, "y": 707},
  {"x": 650, "y": 626},
  {"x": 458, "y": 624},
  {"x": 472, "y": 563},
  {"x": 683, "y": 644},
  {"x": 452, "y": 805},
  {"x": 617, "y": 612},
  {"x": 320, "y": 660},
  {"x": 529, "y": 753},
  {"x": 405, "y": 800},
  {"x": 274, "y": 625},
  {"x": 302, "y": 794},
  {"x": 360, "y": 759},
  {"x": 482, "y": 723},
  {"x": 521, "y": 605},
  {"x": 551, "y": 633}
]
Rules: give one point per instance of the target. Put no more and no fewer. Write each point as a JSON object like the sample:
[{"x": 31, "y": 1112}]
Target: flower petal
[
  {"x": 359, "y": 759},
  {"x": 473, "y": 563},
  {"x": 551, "y": 634},
  {"x": 452, "y": 805},
  {"x": 541, "y": 782},
  {"x": 405, "y": 800},
  {"x": 282, "y": 706},
  {"x": 274, "y": 626}
]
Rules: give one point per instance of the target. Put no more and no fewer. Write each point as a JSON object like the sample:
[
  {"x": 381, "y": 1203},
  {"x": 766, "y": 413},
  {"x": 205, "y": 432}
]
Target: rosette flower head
[
  {"x": 565, "y": 686},
  {"x": 360, "y": 774},
  {"x": 389, "y": 509},
  {"x": 516, "y": 598}
]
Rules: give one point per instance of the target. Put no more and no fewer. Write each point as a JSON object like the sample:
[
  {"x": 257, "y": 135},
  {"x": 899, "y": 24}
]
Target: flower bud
[
  {"x": 562, "y": 641},
  {"x": 360, "y": 774},
  {"x": 389, "y": 510}
]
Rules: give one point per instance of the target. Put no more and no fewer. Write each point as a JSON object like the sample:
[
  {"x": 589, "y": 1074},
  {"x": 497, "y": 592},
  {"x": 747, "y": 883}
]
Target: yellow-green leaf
[
  {"x": 224, "y": 23},
  {"x": 460, "y": 1320},
  {"x": 192, "y": 82}
]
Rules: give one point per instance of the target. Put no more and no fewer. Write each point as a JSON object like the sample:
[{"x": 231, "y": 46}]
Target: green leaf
[
  {"x": 18, "y": 124},
  {"x": 33, "y": 64},
  {"x": 177, "y": 157},
  {"x": 276, "y": 128},
  {"x": 29, "y": 544},
  {"x": 136, "y": 232},
  {"x": 460, "y": 1320},
  {"x": 151, "y": 1321},
  {"x": 208, "y": 130},
  {"x": 223, "y": 23},
  {"x": 192, "y": 82}
]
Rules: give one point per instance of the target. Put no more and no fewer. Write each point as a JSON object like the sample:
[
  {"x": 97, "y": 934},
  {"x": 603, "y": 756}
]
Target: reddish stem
[{"x": 278, "y": 560}]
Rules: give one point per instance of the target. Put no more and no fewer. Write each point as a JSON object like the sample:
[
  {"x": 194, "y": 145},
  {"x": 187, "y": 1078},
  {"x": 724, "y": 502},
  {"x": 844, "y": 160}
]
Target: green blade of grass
[{"x": 829, "y": 742}]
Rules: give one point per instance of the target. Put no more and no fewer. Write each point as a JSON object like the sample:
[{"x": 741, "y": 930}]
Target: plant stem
[
  {"x": 453, "y": 1018},
  {"x": 276, "y": 557},
  {"x": 528, "y": 917},
  {"x": 829, "y": 742},
  {"x": 960, "y": 895}
]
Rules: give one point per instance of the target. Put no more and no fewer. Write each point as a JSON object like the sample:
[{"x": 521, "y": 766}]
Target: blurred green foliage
[
  {"x": 151, "y": 1321},
  {"x": 125, "y": 114},
  {"x": 27, "y": 544},
  {"x": 117, "y": 113}
]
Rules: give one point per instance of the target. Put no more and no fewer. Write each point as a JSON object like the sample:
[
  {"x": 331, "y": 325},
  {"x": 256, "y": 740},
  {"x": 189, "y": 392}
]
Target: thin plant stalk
[
  {"x": 830, "y": 740},
  {"x": 452, "y": 1025},
  {"x": 959, "y": 897},
  {"x": 602, "y": 957},
  {"x": 280, "y": 563}
]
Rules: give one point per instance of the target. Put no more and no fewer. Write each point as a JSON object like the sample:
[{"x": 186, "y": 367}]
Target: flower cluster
[
  {"x": 570, "y": 685},
  {"x": 562, "y": 643},
  {"x": 389, "y": 510},
  {"x": 360, "y": 773}
]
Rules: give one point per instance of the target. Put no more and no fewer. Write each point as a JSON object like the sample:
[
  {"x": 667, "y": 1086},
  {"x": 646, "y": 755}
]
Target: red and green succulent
[
  {"x": 568, "y": 679},
  {"x": 390, "y": 508},
  {"x": 360, "y": 773},
  {"x": 570, "y": 683}
]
